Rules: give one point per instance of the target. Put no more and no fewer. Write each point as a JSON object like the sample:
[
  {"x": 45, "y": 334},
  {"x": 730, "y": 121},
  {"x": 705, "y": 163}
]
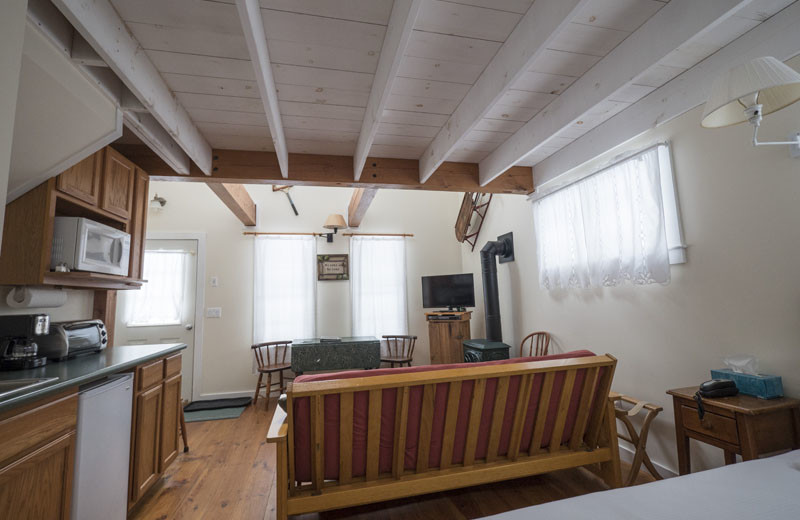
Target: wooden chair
[
  {"x": 538, "y": 344},
  {"x": 400, "y": 350},
  {"x": 271, "y": 358}
]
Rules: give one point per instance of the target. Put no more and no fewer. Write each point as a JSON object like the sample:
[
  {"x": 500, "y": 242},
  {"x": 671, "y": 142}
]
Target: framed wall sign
[{"x": 333, "y": 267}]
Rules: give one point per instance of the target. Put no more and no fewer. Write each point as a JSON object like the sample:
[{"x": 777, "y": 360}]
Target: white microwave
[{"x": 86, "y": 245}]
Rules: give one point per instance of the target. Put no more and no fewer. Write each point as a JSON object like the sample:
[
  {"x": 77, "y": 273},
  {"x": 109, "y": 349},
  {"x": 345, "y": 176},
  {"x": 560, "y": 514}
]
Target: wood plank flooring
[{"x": 229, "y": 473}]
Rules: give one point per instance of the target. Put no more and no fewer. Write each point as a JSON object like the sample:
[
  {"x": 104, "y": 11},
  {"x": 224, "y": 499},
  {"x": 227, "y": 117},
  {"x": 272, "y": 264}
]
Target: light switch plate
[{"x": 214, "y": 312}]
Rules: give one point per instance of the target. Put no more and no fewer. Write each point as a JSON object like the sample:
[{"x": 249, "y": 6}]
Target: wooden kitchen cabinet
[
  {"x": 82, "y": 181},
  {"x": 156, "y": 416},
  {"x": 37, "y": 458},
  {"x": 146, "y": 444},
  {"x": 116, "y": 194},
  {"x": 170, "y": 418},
  {"x": 105, "y": 187}
]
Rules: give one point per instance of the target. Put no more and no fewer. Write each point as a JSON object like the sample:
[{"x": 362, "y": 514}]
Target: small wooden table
[{"x": 741, "y": 424}]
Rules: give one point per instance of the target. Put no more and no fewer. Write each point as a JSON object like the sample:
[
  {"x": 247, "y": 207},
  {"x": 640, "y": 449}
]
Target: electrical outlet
[
  {"x": 214, "y": 312},
  {"x": 214, "y": 281}
]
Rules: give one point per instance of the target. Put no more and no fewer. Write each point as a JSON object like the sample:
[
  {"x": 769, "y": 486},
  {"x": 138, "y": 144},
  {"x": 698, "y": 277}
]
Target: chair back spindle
[
  {"x": 535, "y": 344},
  {"x": 271, "y": 353}
]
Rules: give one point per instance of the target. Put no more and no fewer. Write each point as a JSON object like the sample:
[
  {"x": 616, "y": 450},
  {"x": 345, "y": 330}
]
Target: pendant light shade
[{"x": 762, "y": 81}]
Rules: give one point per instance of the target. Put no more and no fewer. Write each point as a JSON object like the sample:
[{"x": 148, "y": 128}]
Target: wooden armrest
[
  {"x": 614, "y": 396},
  {"x": 279, "y": 429}
]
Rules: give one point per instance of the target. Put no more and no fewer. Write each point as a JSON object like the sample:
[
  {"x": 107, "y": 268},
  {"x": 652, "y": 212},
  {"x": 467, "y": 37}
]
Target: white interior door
[{"x": 163, "y": 310}]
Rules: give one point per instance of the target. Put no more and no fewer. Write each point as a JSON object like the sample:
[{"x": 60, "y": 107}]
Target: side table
[{"x": 741, "y": 424}]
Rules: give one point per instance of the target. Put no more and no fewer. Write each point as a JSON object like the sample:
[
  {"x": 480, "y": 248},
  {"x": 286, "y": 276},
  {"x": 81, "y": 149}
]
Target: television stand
[{"x": 447, "y": 331}]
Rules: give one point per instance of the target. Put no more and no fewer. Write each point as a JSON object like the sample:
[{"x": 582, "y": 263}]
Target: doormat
[
  {"x": 214, "y": 415},
  {"x": 215, "y": 404}
]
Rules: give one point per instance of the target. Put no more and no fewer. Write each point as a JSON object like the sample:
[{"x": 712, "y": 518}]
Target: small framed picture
[{"x": 333, "y": 267}]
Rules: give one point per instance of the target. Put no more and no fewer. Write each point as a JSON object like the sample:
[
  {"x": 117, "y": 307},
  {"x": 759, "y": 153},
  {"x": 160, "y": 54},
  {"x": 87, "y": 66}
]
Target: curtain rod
[
  {"x": 255, "y": 233},
  {"x": 377, "y": 234}
]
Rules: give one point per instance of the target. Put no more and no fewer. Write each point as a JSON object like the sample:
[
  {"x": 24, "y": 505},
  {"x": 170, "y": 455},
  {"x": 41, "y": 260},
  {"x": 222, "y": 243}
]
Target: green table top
[{"x": 82, "y": 369}]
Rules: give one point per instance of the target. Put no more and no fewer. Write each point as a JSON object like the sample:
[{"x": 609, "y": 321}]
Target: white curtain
[
  {"x": 284, "y": 303},
  {"x": 604, "y": 230},
  {"x": 378, "y": 285},
  {"x": 161, "y": 300}
]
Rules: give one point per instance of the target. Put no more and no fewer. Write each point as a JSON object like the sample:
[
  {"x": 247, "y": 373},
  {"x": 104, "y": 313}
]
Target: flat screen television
[{"x": 452, "y": 290}]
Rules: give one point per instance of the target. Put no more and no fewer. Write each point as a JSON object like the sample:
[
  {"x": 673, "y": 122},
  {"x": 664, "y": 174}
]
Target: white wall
[
  {"x": 12, "y": 36},
  {"x": 739, "y": 292},
  {"x": 227, "y": 359}
]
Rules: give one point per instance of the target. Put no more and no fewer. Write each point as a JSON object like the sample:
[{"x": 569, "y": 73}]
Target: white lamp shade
[
  {"x": 335, "y": 221},
  {"x": 766, "y": 81}
]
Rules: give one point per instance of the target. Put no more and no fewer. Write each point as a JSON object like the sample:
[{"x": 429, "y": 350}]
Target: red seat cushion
[{"x": 302, "y": 439}]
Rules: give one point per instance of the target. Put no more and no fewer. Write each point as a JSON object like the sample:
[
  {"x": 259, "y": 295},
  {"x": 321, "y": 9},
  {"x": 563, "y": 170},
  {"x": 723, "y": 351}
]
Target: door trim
[{"x": 199, "y": 296}]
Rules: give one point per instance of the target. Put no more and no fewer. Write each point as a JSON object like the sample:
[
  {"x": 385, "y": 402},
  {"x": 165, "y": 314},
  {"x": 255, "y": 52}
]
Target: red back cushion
[{"x": 302, "y": 438}]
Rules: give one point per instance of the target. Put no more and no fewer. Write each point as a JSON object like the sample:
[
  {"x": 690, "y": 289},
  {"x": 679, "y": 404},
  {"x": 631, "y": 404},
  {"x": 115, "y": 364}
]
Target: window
[
  {"x": 620, "y": 224},
  {"x": 284, "y": 295},
  {"x": 160, "y": 300},
  {"x": 378, "y": 285}
]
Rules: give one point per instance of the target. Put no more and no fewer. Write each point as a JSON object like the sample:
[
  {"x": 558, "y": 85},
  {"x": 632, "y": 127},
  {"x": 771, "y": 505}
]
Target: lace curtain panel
[
  {"x": 284, "y": 295},
  {"x": 606, "y": 229},
  {"x": 160, "y": 300},
  {"x": 378, "y": 286}
]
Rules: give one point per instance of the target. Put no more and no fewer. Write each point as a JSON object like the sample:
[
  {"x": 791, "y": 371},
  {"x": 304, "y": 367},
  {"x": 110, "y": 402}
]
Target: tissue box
[{"x": 761, "y": 386}]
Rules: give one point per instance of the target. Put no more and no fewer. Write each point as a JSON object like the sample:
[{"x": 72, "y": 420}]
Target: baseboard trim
[
  {"x": 226, "y": 395},
  {"x": 626, "y": 455}
]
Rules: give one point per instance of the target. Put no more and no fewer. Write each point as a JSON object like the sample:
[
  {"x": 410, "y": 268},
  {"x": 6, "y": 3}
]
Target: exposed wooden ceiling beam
[
  {"x": 253, "y": 26},
  {"x": 245, "y": 167},
  {"x": 673, "y": 25},
  {"x": 153, "y": 135},
  {"x": 778, "y": 36},
  {"x": 401, "y": 23},
  {"x": 237, "y": 199},
  {"x": 359, "y": 204},
  {"x": 101, "y": 26},
  {"x": 533, "y": 33}
]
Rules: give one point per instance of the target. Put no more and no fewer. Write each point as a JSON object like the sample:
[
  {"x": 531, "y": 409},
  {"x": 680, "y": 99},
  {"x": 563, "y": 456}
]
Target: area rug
[
  {"x": 214, "y": 415},
  {"x": 214, "y": 404}
]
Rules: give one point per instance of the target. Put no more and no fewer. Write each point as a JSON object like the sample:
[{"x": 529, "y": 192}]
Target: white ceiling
[{"x": 324, "y": 54}]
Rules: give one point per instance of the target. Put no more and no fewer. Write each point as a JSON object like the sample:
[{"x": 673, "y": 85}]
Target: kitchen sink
[{"x": 13, "y": 386}]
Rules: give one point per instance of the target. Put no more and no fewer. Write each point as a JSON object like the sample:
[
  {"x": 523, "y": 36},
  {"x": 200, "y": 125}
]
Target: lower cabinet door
[
  {"x": 39, "y": 485},
  {"x": 169, "y": 423},
  {"x": 147, "y": 440}
]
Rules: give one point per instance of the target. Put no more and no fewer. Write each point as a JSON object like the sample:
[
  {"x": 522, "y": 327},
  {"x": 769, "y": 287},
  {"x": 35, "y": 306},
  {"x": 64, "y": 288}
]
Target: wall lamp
[
  {"x": 334, "y": 222},
  {"x": 750, "y": 91}
]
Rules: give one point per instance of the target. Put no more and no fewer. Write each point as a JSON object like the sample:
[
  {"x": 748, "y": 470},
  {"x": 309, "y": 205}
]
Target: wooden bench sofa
[{"x": 353, "y": 438}]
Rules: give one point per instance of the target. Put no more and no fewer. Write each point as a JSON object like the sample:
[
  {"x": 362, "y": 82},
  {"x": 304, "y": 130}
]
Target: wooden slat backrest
[
  {"x": 554, "y": 384},
  {"x": 400, "y": 346},
  {"x": 271, "y": 353}
]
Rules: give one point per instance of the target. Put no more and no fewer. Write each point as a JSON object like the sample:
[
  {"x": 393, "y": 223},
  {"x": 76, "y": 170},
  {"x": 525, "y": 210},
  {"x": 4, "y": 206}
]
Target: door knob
[{"x": 188, "y": 326}]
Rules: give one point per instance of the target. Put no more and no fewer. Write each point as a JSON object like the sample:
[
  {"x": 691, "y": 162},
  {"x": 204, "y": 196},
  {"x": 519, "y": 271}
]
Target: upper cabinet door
[
  {"x": 117, "y": 185},
  {"x": 82, "y": 181}
]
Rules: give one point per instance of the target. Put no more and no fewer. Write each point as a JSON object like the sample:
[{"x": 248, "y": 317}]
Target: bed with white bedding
[{"x": 765, "y": 488}]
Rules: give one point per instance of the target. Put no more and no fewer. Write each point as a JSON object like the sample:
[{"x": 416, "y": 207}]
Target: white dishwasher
[{"x": 102, "y": 452}]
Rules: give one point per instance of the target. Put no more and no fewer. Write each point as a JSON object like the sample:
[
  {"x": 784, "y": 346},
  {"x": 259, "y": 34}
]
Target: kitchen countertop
[{"x": 83, "y": 369}]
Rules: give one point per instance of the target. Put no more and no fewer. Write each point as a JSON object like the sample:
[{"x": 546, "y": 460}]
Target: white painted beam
[
  {"x": 527, "y": 41},
  {"x": 398, "y": 33},
  {"x": 101, "y": 26},
  {"x": 672, "y": 26},
  {"x": 157, "y": 139},
  {"x": 778, "y": 36},
  {"x": 129, "y": 102},
  {"x": 82, "y": 53},
  {"x": 253, "y": 26}
]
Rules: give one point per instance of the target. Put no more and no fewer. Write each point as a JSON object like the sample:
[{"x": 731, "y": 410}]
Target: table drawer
[
  {"x": 713, "y": 425},
  {"x": 172, "y": 366},
  {"x": 150, "y": 375}
]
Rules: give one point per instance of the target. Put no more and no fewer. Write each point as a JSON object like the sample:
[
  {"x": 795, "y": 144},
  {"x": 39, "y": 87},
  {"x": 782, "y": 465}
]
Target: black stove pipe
[{"x": 491, "y": 300}]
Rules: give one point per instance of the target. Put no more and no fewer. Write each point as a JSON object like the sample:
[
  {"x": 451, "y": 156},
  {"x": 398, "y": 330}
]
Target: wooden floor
[{"x": 228, "y": 473}]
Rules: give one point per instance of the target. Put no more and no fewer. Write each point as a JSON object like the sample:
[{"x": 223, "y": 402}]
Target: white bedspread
[{"x": 766, "y": 489}]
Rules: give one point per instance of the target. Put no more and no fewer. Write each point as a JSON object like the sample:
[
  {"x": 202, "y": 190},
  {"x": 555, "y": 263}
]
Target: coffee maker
[{"x": 18, "y": 349}]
